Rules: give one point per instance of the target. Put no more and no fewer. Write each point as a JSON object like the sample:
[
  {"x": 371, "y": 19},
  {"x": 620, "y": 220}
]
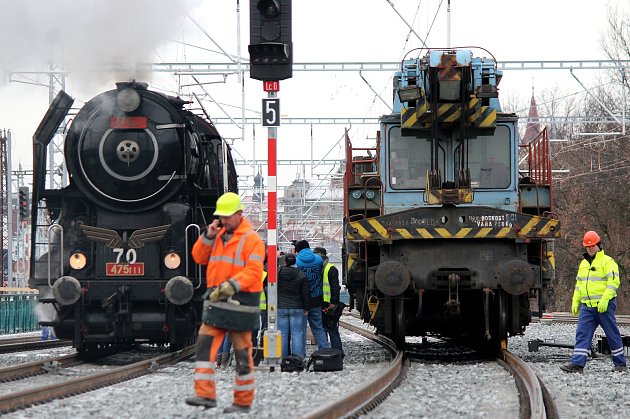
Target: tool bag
[
  {"x": 326, "y": 360},
  {"x": 292, "y": 363}
]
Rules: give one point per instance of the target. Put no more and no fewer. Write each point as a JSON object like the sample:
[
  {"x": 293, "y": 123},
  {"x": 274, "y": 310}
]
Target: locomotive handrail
[
  {"x": 187, "y": 252},
  {"x": 60, "y": 253}
]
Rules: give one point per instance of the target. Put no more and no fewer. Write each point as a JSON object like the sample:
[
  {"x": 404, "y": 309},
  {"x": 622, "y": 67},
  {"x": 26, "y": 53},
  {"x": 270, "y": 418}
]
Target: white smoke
[
  {"x": 92, "y": 40},
  {"x": 45, "y": 312}
]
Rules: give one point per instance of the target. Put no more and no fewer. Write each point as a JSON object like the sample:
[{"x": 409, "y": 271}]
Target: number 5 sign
[{"x": 271, "y": 112}]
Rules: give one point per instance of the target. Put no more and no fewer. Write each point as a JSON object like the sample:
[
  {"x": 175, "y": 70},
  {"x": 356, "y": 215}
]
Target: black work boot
[
  {"x": 201, "y": 401},
  {"x": 225, "y": 359},
  {"x": 619, "y": 368},
  {"x": 571, "y": 367},
  {"x": 235, "y": 408}
]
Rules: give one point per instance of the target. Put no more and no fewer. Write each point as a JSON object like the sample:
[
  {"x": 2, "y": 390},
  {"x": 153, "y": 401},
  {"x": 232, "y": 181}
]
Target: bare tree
[{"x": 593, "y": 196}]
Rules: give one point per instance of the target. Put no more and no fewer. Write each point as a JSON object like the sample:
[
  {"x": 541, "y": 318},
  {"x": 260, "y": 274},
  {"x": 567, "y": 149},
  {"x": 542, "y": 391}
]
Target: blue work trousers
[
  {"x": 332, "y": 329},
  {"x": 588, "y": 321},
  {"x": 291, "y": 325},
  {"x": 227, "y": 345},
  {"x": 315, "y": 320}
]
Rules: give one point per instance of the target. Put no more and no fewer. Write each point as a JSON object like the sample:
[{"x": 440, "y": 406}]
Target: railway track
[
  {"x": 563, "y": 317},
  {"x": 30, "y": 369},
  {"x": 391, "y": 371},
  {"x": 41, "y": 394},
  {"x": 371, "y": 393},
  {"x": 535, "y": 401},
  {"x": 30, "y": 343}
]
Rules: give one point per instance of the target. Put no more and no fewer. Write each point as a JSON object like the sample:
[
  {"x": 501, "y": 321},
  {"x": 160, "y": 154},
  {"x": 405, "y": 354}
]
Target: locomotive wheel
[
  {"x": 498, "y": 323},
  {"x": 399, "y": 323},
  {"x": 502, "y": 317}
]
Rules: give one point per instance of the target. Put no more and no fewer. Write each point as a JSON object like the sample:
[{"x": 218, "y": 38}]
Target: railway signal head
[
  {"x": 23, "y": 203},
  {"x": 270, "y": 48}
]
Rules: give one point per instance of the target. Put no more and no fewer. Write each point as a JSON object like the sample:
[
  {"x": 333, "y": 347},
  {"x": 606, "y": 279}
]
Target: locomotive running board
[{"x": 453, "y": 223}]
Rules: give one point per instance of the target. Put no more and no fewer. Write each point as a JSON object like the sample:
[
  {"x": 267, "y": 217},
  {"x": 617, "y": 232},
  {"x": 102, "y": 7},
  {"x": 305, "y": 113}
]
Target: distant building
[
  {"x": 313, "y": 212},
  {"x": 307, "y": 209},
  {"x": 533, "y": 129}
]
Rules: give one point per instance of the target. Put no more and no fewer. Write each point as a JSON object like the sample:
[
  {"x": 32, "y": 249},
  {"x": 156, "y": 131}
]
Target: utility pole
[
  {"x": 271, "y": 60},
  {"x": 57, "y": 175},
  {"x": 6, "y": 200}
]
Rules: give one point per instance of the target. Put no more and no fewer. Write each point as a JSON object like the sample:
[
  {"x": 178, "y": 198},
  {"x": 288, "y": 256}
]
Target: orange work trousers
[{"x": 208, "y": 345}]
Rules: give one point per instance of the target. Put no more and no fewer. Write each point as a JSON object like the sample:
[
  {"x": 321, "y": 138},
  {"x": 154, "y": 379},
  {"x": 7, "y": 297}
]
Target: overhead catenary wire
[
  {"x": 408, "y": 25},
  {"x": 378, "y": 96}
]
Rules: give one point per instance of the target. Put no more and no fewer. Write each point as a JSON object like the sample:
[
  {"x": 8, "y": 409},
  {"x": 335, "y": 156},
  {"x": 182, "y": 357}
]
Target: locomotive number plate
[
  {"x": 128, "y": 122},
  {"x": 127, "y": 269}
]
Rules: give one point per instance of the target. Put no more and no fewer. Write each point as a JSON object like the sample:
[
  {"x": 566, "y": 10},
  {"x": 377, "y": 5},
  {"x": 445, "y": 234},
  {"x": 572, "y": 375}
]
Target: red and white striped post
[{"x": 272, "y": 341}]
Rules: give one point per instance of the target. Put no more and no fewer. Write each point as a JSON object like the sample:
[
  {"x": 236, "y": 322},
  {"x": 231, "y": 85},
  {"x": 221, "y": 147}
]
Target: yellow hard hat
[{"x": 228, "y": 204}]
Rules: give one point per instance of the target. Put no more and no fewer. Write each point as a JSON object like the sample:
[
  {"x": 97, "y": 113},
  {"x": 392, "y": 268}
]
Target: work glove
[
  {"x": 575, "y": 308},
  {"x": 602, "y": 306},
  {"x": 576, "y": 301},
  {"x": 223, "y": 291}
]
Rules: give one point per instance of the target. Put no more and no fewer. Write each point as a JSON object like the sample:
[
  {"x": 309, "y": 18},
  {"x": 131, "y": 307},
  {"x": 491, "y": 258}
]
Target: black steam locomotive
[{"x": 110, "y": 251}]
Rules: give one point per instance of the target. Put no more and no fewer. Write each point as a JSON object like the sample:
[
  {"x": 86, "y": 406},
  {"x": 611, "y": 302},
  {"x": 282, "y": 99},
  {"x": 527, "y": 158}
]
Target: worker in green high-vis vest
[{"x": 332, "y": 306}]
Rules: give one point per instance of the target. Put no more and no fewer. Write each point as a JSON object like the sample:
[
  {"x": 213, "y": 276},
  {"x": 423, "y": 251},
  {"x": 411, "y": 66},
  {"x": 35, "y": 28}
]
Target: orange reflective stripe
[
  {"x": 244, "y": 384},
  {"x": 240, "y": 258}
]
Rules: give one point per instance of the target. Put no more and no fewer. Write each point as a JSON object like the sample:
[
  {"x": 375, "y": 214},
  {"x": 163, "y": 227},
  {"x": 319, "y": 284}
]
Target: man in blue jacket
[{"x": 312, "y": 265}]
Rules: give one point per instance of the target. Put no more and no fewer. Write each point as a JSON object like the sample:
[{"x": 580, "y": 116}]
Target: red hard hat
[{"x": 591, "y": 238}]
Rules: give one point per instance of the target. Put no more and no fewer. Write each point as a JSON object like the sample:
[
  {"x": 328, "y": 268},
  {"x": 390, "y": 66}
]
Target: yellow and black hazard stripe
[
  {"x": 373, "y": 229},
  {"x": 452, "y": 112},
  {"x": 446, "y": 113},
  {"x": 484, "y": 117},
  {"x": 415, "y": 117}
]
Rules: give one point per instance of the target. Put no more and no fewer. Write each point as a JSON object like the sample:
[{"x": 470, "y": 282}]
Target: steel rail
[
  {"x": 30, "y": 369},
  {"x": 534, "y": 403},
  {"x": 21, "y": 399},
  {"x": 370, "y": 394},
  {"x": 10, "y": 339},
  {"x": 565, "y": 317},
  {"x": 32, "y": 345}
]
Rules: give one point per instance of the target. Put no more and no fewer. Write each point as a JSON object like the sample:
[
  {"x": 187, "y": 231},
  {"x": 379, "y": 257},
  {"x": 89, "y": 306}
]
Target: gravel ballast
[{"x": 431, "y": 390}]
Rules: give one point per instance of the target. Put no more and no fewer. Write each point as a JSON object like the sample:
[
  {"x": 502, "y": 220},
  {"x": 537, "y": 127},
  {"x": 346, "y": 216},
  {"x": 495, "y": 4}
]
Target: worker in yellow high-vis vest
[
  {"x": 332, "y": 306},
  {"x": 263, "y": 310}
]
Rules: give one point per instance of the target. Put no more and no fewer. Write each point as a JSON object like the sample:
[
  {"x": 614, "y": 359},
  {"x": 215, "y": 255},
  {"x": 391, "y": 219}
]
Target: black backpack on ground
[
  {"x": 326, "y": 360},
  {"x": 292, "y": 363}
]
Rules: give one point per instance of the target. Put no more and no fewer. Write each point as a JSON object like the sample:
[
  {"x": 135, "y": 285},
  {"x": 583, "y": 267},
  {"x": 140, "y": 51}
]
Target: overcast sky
[{"x": 81, "y": 36}]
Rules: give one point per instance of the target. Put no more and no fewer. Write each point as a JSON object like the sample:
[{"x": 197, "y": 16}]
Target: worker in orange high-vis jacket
[{"x": 234, "y": 254}]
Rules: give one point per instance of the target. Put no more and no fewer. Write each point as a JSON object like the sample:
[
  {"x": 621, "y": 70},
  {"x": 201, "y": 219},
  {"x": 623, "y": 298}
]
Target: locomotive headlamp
[
  {"x": 172, "y": 260},
  {"x": 369, "y": 194},
  {"x": 77, "y": 260},
  {"x": 128, "y": 99},
  {"x": 409, "y": 93},
  {"x": 356, "y": 194}
]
